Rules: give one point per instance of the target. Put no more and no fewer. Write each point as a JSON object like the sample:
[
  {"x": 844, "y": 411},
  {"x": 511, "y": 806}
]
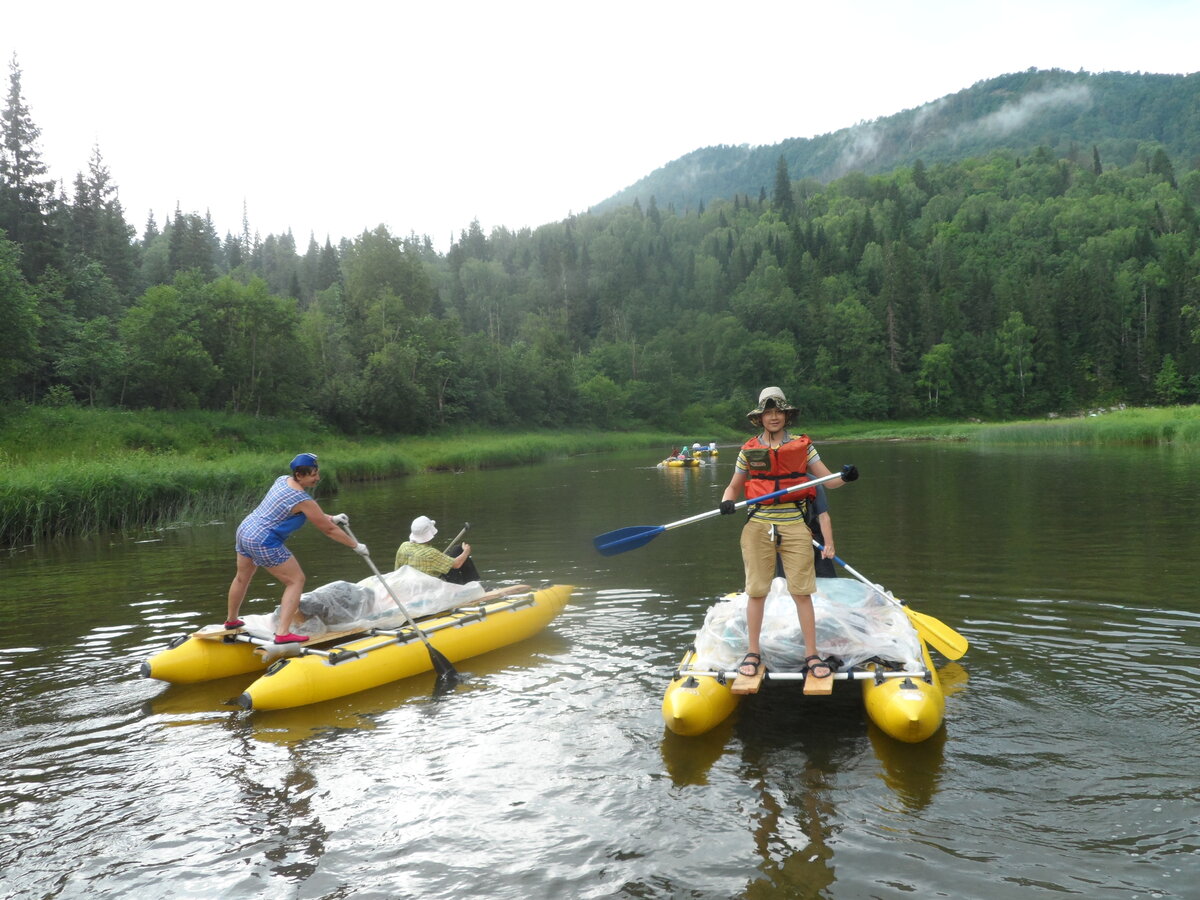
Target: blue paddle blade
[{"x": 614, "y": 542}]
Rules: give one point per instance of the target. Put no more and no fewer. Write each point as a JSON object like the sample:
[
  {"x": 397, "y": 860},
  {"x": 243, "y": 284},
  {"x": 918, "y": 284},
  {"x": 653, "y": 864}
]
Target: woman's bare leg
[
  {"x": 292, "y": 577},
  {"x": 238, "y": 587}
]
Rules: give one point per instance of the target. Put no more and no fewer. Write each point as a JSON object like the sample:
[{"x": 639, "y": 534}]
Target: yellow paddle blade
[{"x": 938, "y": 634}]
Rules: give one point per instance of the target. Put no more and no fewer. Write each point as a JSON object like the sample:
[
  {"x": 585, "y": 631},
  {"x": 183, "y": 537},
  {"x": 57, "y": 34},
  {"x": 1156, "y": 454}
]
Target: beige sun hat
[{"x": 772, "y": 397}]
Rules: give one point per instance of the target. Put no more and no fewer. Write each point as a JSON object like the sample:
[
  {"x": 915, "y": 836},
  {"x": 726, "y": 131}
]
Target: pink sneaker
[
  {"x": 290, "y": 638},
  {"x": 234, "y": 623}
]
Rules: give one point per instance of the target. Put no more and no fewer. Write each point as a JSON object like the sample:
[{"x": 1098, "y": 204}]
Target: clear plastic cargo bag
[{"x": 854, "y": 623}]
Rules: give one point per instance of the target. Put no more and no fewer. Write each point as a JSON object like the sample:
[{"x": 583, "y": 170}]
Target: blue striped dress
[{"x": 262, "y": 534}]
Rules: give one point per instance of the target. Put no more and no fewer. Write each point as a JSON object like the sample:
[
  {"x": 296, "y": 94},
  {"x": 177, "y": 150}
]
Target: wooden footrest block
[
  {"x": 813, "y": 685},
  {"x": 748, "y": 684},
  {"x": 216, "y": 632}
]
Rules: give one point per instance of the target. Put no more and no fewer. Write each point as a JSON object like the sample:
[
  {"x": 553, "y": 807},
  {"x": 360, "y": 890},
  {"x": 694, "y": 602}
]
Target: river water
[{"x": 1068, "y": 763}]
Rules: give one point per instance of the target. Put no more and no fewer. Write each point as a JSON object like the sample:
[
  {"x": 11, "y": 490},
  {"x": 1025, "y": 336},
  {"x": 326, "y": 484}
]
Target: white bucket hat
[{"x": 423, "y": 530}]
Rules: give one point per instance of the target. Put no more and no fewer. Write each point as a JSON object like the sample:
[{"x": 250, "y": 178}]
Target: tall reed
[{"x": 1177, "y": 426}]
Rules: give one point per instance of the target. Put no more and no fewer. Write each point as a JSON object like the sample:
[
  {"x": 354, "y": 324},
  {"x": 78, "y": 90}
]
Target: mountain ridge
[{"x": 1069, "y": 112}]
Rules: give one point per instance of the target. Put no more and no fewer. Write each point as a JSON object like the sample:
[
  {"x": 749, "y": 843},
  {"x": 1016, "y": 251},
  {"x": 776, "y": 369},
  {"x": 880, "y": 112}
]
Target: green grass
[
  {"x": 83, "y": 496},
  {"x": 1175, "y": 426},
  {"x": 70, "y": 471},
  {"x": 79, "y": 471},
  {"x": 896, "y": 431},
  {"x": 30, "y": 434}
]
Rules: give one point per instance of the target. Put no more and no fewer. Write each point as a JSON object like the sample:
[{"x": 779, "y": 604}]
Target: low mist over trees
[{"x": 995, "y": 285}]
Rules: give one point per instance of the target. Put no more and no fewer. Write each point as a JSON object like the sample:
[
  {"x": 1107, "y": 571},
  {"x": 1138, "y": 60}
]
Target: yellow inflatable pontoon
[
  {"x": 877, "y": 640},
  {"x": 494, "y": 620},
  {"x": 383, "y": 657},
  {"x": 909, "y": 706}
]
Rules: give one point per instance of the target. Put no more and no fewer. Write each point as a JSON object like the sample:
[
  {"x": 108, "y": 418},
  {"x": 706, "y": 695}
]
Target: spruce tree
[
  {"x": 99, "y": 226},
  {"x": 26, "y": 195},
  {"x": 329, "y": 270},
  {"x": 783, "y": 201}
]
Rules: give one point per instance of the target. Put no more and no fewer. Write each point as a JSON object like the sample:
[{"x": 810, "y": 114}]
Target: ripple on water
[{"x": 1064, "y": 766}]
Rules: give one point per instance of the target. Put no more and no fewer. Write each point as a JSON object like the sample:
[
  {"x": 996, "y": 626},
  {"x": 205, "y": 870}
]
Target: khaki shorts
[{"x": 794, "y": 548}]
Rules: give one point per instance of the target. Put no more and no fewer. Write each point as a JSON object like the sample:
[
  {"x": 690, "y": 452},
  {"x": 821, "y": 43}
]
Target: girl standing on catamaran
[{"x": 771, "y": 461}]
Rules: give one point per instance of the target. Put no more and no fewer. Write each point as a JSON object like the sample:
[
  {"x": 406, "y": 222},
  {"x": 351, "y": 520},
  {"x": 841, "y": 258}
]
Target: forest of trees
[{"x": 993, "y": 286}]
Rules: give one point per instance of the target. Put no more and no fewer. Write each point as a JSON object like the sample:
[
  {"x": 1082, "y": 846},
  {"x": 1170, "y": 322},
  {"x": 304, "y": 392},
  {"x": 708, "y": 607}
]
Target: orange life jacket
[{"x": 773, "y": 470}]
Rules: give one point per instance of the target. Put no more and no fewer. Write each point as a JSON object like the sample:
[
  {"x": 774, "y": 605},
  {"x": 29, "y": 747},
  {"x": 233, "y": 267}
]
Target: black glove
[
  {"x": 727, "y": 507},
  {"x": 849, "y": 473}
]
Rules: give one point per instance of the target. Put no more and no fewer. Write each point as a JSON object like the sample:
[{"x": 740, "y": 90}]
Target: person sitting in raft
[
  {"x": 261, "y": 536},
  {"x": 454, "y": 566},
  {"x": 771, "y": 461}
]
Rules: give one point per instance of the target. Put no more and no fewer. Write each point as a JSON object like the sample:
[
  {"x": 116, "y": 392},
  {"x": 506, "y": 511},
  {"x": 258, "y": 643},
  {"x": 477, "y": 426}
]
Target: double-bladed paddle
[
  {"x": 613, "y": 542},
  {"x": 944, "y": 639}
]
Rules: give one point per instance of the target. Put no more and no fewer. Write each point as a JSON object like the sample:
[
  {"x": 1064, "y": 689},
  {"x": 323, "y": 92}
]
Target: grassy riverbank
[
  {"x": 1177, "y": 426},
  {"x": 78, "y": 471}
]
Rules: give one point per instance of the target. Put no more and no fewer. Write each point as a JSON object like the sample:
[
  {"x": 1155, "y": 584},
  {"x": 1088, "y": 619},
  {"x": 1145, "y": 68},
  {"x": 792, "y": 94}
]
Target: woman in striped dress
[{"x": 261, "y": 537}]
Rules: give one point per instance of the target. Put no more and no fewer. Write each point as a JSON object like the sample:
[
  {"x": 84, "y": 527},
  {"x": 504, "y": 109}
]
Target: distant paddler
[{"x": 261, "y": 537}]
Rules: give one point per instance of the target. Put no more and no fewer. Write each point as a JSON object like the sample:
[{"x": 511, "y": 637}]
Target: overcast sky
[{"x": 331, "y": 118}]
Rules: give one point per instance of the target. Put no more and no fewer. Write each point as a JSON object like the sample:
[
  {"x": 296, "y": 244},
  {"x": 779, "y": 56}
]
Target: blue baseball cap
[{"x": 304, "y": 459}]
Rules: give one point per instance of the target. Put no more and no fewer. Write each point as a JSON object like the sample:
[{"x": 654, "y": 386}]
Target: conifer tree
[
  {"x": 18, "y": 312},
  {"x": 26, "y": 195},
  {"x": 151, "y": 231},
  {"x": 921, "y": 177},
  {"x": 233, "y": 251},
  {"x": 328, "y": 269},
  {"x": 783, "y": 201},
  {"x": 98, "y": 226},
  {"x": 1160, "y": 164},
  {"x": 652, "y": 212}
]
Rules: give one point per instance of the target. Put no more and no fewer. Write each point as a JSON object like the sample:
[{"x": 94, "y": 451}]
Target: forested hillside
[
  {"x": 1072, "y": 114},
  {"x": 995, "y": 285}
]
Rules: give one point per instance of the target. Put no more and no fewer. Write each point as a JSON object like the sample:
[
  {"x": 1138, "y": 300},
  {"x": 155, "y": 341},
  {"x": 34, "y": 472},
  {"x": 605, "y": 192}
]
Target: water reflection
[
  {"x": 912, "y": 771},
  {"x": 277, "y": 809},
  {"x": 191, "y": 704},
  {"x": 796, "y": 859},
  {"x": 689, "y": 759},
  {"x": 794, "y": 818}
]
